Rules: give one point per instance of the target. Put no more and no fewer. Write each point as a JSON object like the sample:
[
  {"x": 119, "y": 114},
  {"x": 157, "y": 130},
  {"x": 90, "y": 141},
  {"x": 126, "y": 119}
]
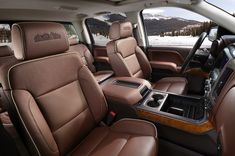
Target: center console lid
[{"x": 126, "y": 90}]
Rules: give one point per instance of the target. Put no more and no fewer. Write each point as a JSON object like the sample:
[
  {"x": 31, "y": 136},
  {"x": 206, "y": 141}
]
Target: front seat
[
  {"x": 59, "y": 104},
  {"x": 127, "y": 59}
]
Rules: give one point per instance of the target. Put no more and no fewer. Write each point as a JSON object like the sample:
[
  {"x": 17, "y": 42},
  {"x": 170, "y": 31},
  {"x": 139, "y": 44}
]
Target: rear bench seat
[
  {"x": 88, "y": 60},
  {"x": 7, "y": 59}
]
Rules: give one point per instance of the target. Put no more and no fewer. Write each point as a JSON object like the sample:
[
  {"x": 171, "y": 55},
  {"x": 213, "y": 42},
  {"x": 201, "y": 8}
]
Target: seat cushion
[
  {"x": 101, "y": 76},
  {"x": 125, "y": 138},
  {"x": 175, "y": 85}
]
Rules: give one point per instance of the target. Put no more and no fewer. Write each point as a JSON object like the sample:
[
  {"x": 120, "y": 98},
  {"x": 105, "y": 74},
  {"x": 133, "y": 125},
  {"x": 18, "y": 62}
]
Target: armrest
[
  {"x": 102, "y": 59},
  {"x": 101, "y": 76},
  {"x": 165, "y": 65},
  {"x": 125, "y": 94}
]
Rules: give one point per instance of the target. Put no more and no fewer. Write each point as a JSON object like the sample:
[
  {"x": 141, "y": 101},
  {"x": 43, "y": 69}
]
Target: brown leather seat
[
  {"x": 7, "y": 59},
  {"x": 127, "y": 59},
  {"x": 88, "y": 60},
  {"x": 60, "y": 104}
]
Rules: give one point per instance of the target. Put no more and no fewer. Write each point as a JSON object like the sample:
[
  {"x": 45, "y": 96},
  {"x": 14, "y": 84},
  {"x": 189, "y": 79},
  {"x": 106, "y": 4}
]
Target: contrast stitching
[
  {"x": 30, "y": 98},
  {"x": 62, "y": 125},
  {"x": 52, "y": 90},
  {"x": 36, "y": 60},
  {"x": 124, "y": 144},
  {"x": 95, "y": 147},
  {"x": 22, "y": 121}
]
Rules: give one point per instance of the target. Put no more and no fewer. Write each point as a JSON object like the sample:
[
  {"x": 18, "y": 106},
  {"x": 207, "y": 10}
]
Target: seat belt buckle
[{"x": 110, "y": 117}]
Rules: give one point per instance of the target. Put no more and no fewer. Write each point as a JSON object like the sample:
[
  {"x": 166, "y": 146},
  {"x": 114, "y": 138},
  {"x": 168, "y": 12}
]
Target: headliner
[{"x": 70, "y": 10}]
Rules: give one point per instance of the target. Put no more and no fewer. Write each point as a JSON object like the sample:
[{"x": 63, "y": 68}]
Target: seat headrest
[
  {"x": 120, "y": 30},
  {"x": 5, "y": 51},
  {"x": 73, "y": 40},
  {"x": 33, "y": 40}
]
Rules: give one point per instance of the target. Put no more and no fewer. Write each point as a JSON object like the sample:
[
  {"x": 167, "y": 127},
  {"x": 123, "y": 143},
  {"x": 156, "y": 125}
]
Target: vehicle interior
[{"x": 117, "y": 77}]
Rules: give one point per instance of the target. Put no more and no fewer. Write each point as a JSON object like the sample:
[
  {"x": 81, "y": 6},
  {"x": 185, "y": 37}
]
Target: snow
[
  {"x": 100, "y": 39},
  {"x": 160, "y": 41},
  {"x": 156, "y": 17},
  {"x": 176, "y": 41},
  {"x": 3, "y": 44}
]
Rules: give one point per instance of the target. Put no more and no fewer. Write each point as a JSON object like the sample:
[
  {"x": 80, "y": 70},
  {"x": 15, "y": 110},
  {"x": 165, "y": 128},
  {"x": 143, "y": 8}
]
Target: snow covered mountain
[{"x": 157, "y": 24}]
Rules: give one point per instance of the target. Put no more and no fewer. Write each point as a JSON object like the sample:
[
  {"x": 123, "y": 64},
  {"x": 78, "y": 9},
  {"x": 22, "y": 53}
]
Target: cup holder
[
  {"x": 153, "y": 104},
  {"x": 157, "y": 97}
]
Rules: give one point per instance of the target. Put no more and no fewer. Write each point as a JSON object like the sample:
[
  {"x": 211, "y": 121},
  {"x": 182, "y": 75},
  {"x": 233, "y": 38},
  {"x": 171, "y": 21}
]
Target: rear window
[
  {"x": 99, "y": 27},
  {"x": 5, "y": 34},
  {"x": 71, "y": 32}
]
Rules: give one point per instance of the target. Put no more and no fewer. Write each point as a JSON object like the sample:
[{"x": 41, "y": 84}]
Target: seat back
[
  {"x": 56, "y": 98},
  {"x": 85, "y": 53},
  {"x": 7, "y": 59},
  {"x": 125, "y": 56}
]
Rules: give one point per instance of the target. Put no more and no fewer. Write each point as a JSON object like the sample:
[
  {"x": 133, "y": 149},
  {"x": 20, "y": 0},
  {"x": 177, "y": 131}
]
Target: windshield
[{"x": 226, "y": 5}]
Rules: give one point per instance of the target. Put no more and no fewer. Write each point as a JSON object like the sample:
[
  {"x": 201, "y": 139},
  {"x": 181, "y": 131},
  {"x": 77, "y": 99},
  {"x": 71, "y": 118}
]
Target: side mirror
[{"x": 212, "y": 36}]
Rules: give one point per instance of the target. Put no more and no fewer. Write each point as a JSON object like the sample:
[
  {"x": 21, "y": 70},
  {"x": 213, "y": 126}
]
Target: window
[
  {"x": 226, "y": 5},
  {"x": 71, "y": 32},
  {"x": 99, "y": 27},
  {"x": 5, "y": 34},
  {"x": 169, "y": 26}
]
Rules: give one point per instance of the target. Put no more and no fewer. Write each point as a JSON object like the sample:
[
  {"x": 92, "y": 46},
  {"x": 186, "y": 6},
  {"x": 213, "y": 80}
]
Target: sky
[
  {"x": 176, "y": 12},
  {"x": 227, "y": 5}
]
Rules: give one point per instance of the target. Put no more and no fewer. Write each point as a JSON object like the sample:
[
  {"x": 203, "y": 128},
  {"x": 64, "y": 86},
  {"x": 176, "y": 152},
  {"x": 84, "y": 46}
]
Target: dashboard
[{"x": 223, "y": 68}]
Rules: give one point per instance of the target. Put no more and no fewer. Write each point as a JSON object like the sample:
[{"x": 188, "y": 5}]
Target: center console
[
  {"x": 135, "y": 96},
  {"x": 179, "y": 107},
  {"x": 182, "y": 112}
]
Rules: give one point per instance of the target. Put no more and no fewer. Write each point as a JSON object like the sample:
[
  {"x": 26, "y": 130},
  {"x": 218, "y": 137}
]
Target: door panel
[
  {"x": 165, "y": 56},
  {"x": 175, "y": 55},
  {"x": 101, "y": 58},
  {"x": 166, "y": 61},
  {"x": 100, "y": 54}
]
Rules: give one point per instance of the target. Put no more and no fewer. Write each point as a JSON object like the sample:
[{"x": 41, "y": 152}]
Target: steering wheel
[{"x": 193, "y": 51}]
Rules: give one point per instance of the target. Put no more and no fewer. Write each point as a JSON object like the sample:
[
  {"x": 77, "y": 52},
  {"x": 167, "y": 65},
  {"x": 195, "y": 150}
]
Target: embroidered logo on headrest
[{"x": 47, "y": 36}]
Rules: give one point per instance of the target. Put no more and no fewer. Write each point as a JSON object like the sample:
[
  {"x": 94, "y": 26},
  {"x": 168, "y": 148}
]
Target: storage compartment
[
  {"x": 126, "y": 83},
  {"x": 188, "y": 107},
  {"x": 126, "y": 90}
]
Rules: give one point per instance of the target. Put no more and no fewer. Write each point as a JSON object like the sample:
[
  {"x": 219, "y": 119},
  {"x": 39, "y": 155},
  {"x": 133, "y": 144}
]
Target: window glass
[
  {"x": 99, "y": 27},
  {"x": 169, "y": 26},
  {"x": 5, "y": 34},
  {"x": 71, "y": 32},
  {"x": 226, "y": 5}
]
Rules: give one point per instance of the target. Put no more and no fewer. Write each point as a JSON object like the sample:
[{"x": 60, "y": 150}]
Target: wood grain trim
[{"x": 175, "y": 123}]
